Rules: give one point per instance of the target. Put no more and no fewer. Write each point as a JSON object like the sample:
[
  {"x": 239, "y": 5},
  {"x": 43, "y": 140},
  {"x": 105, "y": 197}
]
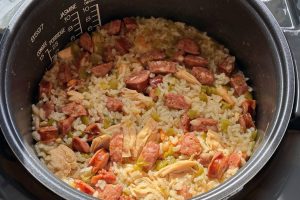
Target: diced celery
[
  {"x": 51, "y": 122},
  {"x": 203, "y": 97},
  {"x": 209, "y": 90},
  {"x": 113, "y": 84},
  {"x": 157, "y": 92},
  {"x": 248, "y": 95},
  {"x": 82, "y": 72},
  {"x": 254, "y": 135},
  {"x": 155, "y": 116},
  {"x": 103, "y": 86},
  {"x": 107, "y": 122},
  {"x": 85, "y": 120},
  {"x": 226, "y": 106},
  {"x": 161, "y": 164},
  {"x": 224, "y": 125},
  {"x": 168, "y": 153},
  {"x": 170, "y": 132},
  {"x": 192, "y": 113},
  {"x": 95, "y": 58},
  {"x": 140, "y": 164},
  {"x": 199, "y": 171}
]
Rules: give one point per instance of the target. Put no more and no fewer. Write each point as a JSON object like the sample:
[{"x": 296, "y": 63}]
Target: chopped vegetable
[
  {"x": 113, "y": 84},
  {"x": 103, "y": 85},
  {"x": 107, "y": 122},
  {"x": 168, "y": 153},
  {"x": 155, "y": 116},
  {"x": 248, "y": 95},
  {"x": 75, "y": 49},
  {"x": 82, "y": 72},
  {"x": 226, "y": 106},
  {"x": 163, "y": 163},
  {"x": 199, "y": 171},
  {"x": 157, "y": 92},
  {"x": 192, "y": 114},
  {"x": 95, "y": 59},
  {"x": 224, "y": 125},
  {"x": 170, "y": 132},
  {"x": 203, "y": 97},
  {"x": 51, "y": 122},
  {"x": 254, "y": 135},
  {"x": 85, "y": 120},
  {"x": 140, "y": 164},
  {"x": 209, "y": 90}
]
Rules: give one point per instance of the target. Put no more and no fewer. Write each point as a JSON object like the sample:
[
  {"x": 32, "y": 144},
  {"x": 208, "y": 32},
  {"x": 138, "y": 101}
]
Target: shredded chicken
[
  {"x": 145, "y": 186},
  {"x": 139, "y": 99},
  {"x": 214, "y": 141},
  {"x": 224, "y": 94},
  {"x": 99, "y": 142},
  {"x": 183, "y": 74},
  {"x": 129, "y": 139},
  {"x": 75, "y": 96},
  {"x": 177, "y": 167}
]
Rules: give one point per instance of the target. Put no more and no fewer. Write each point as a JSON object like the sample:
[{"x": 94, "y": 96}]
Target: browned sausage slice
[
  {"x": 203, "y": 75},
  {"x": 195, "y": 61},
  {"x": 92, "y": 131},
  {"x": 138, "y": 81},
  {"x": 108, "y": 55},
  {"x": 111, "y": 192},
  {"x": 99, "y": 160},
  {"x": 249, "y": 106},
  {"x": 65, "y": 125},
  {"x": 122, "y": 45},
  {"x": 108, "y": 176},
  {"x": 154, "y": 82},
  {"x": 48, "y": 133},
  {"x": 48, "y": 108},
  {"x": 116, "y": 147},
  {"x": 130, "y": 23},
  {"x": 188, "y": 45},
  {"x": 114, "y": 104},
  {"x": 190, "y": 145},
  {"x": 234, "y": 160},
  {"x": 217, "y": 166},
  {"x": 85, "y": 41},
  {"x": 227, "y": 65},
  {"x": 45, "y": 87},
  {"x": 113, "y": 27},
  {"x": 149, "y": 155},
  {"x": 74, "y": 109},
  {"x": 102, "y": 70},
  {"x": 152, "y": 55},
  {"x": 185, "y": 123},
  {"x": 80, "y": 145},
  {"x": 246, "y": 121},
  {"x": 176, "y": 101},
  {"x": 204, "y": 124},
  {"x": 64, "y": 73},
  {"x": 239, "y": 84},
  {"x": 162, "y": 67}
]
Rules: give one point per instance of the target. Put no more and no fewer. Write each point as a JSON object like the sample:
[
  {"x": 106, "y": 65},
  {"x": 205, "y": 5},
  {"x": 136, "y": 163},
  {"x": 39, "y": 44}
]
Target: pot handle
[{"x": 286, "y": 13}]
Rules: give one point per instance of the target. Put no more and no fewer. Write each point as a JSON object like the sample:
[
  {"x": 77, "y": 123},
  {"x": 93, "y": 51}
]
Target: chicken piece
[
  {"x": 149, "y": 155},
  {"x": 108, "y": 176},
  {"x": 176, "y": 101},
  {"x": 100, "y": 142},
  {"x": 102, "y": 69},
  {"x": 195, "y": 61},
  {"x": 140, "y": 99},
  {"x": 114, "y": 104},
  {"x": 74, "y": 109},
  {"x": 48, "y": 133},
  {"x": 162, "y": 67},
  {"x": 183, "y": 74},
  {"x": 113, "y": 27},
  {"x": 188, "y": 45},
  {"x": 62, "y": 161},
  {"x": 142, "y": 137},
  {"x": 65, "y": 125},
  {"x": 217, "y": 166},
  {"x": 129, "y": 139},
  {"x": 177, "y": 167},
  {"x": 204, "y": 124},
  {"x": 80, "y": 145},
  {"x": 99, "y": 160},
  {"x": 110, "y": 192},
  {"x": 85, "y": 41},
  {"x": 116, "y": 147},
  {"x": 222, "y": 91},
  {"x": 190, "y": 145},
  {"x": 214, "y": 140},
  {"x": 203, "y": 75}
]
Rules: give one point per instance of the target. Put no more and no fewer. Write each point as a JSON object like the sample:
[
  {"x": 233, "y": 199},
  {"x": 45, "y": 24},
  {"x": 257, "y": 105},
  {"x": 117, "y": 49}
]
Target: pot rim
[{"x": 225, "y": 190}]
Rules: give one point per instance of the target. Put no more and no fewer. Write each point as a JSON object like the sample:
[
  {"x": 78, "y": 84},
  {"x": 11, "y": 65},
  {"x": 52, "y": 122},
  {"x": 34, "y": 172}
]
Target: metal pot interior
[{"x": 236, "y": 24}]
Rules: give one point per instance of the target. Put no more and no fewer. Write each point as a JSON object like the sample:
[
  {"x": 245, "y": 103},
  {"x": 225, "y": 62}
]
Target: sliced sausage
[
  {"x": 74, "y": 109},
  {"x": 152, "y": 55},
  {"x": 92, "y": 131},
  {"x": 185, "y": 123},
  {"x": 64, "y": 73},
  {"x": 108, "y": 176},
  {"x": 122, "y": 46},
  {"x": 239, "y": 84},
  {"x": 45, "y": 87},
  {"x": 204, "y": 124},
  {"x": 99, "y": 160},
  {"x": 217, "y": 166},
  {"x": 85, "y": 41},
  {"x": 48, "y": 133},
  {"x": 116, "y": 147},
  {"x": 149, "y": 155},
  {"x": 65, "y": 125},
  {"x": 138, "y": 81},
  {"x": 190, "y": 144},
  {"x": 130, "y": 23},
  {"x": 113, "y": 27},
  {"x": 234, "y": 160},
  {"x": 83, "y": 187},
  {"x": 114, "y": 104},
  {"x": 108, "y": 55},
  {"x": 195, "y": 61},
  {"x": 111, "y": 192},
  {"x": 249, "y": 106},
  {"x": 176, "y": 101},
  {"x": 155, "y": 81},
  {"x": 188, "y": 45},
  {"x": 48, "y": 108},
  {"x": 162, "y": 67},
  {"x": 227, "y": 65},
  {"x": 102, "y": 69},
  {"x": 184, "y": 192},
  {"x": 246, "y": 121},
  {"x": 80, "y": 145},
  {"x": 178, "y": 56},
  {"x": 203, "y": 75}
]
